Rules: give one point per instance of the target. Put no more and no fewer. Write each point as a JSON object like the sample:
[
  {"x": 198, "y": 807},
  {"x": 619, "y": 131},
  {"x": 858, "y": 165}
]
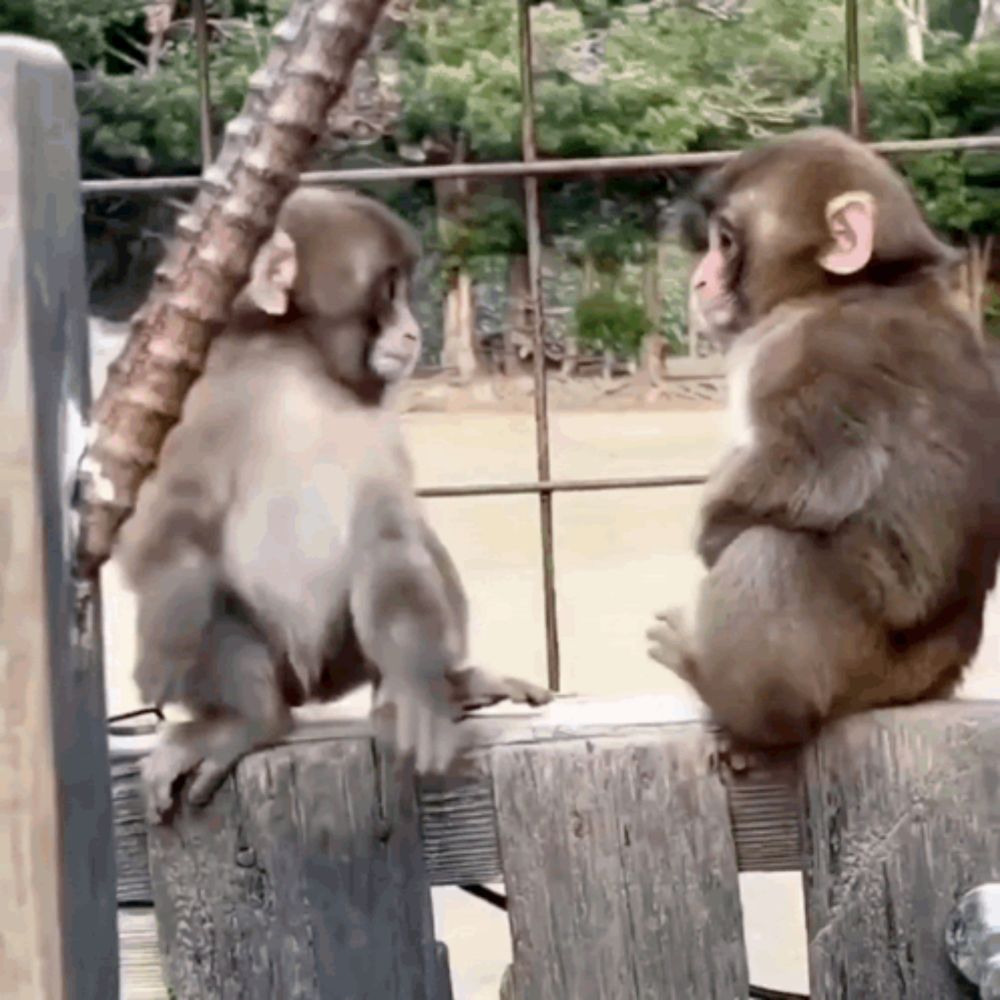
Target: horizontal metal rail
[
  {"x": 538, "y": 168},
  {"x": 560, "y": 486}
]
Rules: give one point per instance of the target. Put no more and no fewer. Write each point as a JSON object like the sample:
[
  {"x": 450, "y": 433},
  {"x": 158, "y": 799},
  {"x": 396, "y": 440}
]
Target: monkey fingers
[
  {"x": 419, "y": 723},
  {"x": 474, "y": 687},
  {"x": 173, "y": 758},
  {"x": 671, "y": 644}
]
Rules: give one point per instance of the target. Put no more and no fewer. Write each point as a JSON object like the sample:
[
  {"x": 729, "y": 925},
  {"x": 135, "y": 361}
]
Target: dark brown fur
[{"x": 852, "y": 540}]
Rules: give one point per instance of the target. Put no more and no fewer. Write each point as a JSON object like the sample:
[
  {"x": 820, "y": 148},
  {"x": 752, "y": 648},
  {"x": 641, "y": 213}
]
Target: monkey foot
[
  {"x": 161, "y": 772},
  {"x": 669, "y": 643},
  {"x": 474, "y": 688}
]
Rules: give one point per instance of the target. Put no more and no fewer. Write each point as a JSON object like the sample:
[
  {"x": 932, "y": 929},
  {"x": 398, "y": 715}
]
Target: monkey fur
[
  {"x": 852, "y": 529},
  {"x": 278, "y": 553}
]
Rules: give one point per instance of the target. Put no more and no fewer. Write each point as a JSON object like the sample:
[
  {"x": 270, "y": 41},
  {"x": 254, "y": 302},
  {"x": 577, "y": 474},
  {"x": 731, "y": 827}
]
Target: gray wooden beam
[
  {"x": 457, "y": 821},
  {"x": 57, "y": 925},
  {"x": 303, "y": 878},
  {"x": 902, "y": 816},
  {"x": 620, "y": 869}
]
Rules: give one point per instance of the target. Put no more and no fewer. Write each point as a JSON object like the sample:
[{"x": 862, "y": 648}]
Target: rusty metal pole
[
  {"x": 853, "y": 50},
  {"x": 529, "y": 152},
  {"x": 204, "y": 93}
]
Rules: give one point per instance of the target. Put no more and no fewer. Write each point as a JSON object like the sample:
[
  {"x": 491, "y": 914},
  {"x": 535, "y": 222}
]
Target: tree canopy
[{"x": 612, "y": 77}]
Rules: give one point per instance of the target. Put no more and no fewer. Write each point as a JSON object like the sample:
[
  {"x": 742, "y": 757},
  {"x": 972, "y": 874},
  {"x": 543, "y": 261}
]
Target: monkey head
[
  {"x": 341, "y": 266},
  {"x": 800, "y": 215}
]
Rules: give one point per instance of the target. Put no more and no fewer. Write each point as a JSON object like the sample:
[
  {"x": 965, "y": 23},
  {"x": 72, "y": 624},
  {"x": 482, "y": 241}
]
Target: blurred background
[{"x": 634, "y": 389}]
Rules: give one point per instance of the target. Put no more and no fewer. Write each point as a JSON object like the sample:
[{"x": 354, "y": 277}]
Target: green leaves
[
  {"x": 958, "y": 94},
  {"x": 611, "y": 321}
]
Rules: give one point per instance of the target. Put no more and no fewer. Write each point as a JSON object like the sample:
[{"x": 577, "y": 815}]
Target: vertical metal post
[
  {"x": 854, "y": 68},
  {"x": 529, "y": 153},
  {"x": 204, "y": 93}
]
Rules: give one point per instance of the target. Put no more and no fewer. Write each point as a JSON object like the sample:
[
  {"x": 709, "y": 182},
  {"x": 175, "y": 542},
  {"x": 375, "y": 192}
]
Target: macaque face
[
  {"x": 394, "y": 350},
  {"x": 714, "y": 281},
  {"x": 810, "y": 214}
]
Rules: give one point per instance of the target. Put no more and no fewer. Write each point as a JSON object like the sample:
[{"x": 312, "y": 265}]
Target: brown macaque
[
  {"x": 279, "y": 553},
  {"x": 852, "y": 530}
]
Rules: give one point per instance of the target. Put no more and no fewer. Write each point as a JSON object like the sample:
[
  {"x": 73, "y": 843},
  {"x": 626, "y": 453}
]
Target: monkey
[
  {"x": 278, "y": 552},
  {"x": 851, "y": 530}
]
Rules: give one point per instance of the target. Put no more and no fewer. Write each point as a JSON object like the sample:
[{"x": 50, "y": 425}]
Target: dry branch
[{"x": 313, "y": 53}]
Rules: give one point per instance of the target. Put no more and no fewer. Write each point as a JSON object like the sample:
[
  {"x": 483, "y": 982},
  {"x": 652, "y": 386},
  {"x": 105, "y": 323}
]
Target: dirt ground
[{"x": 619, "y": 556}]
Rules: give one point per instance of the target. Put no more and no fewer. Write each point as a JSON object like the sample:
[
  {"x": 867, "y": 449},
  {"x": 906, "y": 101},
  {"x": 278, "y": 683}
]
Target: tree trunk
[
  {"x": 571, "y": 357},
  {"x": 653, "y": 344},
  {"x": 988, "y": 21},
  {"x": 314, "y": 50},
  {"x": 459, "y": 348},
  {"x": 914, "y": 14},
  {"x": 974, "y": 274},
  {"x": 517, "y": 310},
  {"x": 159, "y": 14},
  {"x": 695, "y": 323}
]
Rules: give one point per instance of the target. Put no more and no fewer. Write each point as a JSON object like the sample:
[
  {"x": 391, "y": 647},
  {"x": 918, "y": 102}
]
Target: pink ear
[
  {"x": 273, "y": 274},
  {"x": 851, "y": 219}
]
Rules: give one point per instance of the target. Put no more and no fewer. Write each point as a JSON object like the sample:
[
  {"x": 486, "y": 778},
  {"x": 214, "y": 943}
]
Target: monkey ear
[
  {"x": 273, "y": 273},
  {"x": 850, "y": 218}
]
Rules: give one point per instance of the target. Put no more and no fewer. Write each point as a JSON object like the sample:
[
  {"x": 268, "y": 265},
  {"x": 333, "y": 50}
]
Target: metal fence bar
[
  {"x": 853, "y": 57},
  {"x": 532, "y": 212},
  {"x": 645, "y": 163},
  {"x": 560, "y": 486},
  {"x": 204, "y": 84}
]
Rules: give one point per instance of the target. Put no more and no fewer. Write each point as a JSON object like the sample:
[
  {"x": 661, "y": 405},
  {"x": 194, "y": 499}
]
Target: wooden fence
[
  {"x": 618, "y": 830},
  {"x": 617, "y": 827}
]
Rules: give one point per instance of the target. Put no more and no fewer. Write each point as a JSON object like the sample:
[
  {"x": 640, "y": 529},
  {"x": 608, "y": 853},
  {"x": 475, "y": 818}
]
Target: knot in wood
[{"x": 246, "y": 857}]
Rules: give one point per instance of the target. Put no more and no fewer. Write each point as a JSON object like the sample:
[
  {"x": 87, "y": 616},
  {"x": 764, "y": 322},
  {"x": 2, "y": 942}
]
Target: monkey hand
[
  {"x": 474, "y": 687},
  {"x": 714, "y": 537},
  {"x": 670, "y": 644},
  {"x": 418, "y": 718}
]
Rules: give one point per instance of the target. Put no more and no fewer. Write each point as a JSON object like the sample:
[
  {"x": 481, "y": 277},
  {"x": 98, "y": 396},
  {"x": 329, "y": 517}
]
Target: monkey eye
[
  {"x": 725, "y": 239},
  {"x": 390, "y": 283}
]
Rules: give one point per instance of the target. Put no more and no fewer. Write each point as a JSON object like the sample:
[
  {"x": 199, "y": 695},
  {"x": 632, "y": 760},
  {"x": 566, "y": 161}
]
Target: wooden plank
[
  {"x": 458, "y": 825},
  {"x": 303, "y": 878},
  {"x": 141, "y": 967},
  {"x": 620, "y": 869},
  {"x": 57, "y": 928},
  {"x": 457, "y": 821},
  {"x": 902, "y": 814}
]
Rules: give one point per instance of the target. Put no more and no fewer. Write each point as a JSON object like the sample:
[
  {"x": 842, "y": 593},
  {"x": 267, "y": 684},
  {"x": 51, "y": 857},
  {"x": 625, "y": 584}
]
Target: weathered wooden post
[
  {"x": 902, "y": 817},
  {"x": 57, "y": 881},
  {"x": 303, "y": 878},
  {"x": 620, "y": 866}
]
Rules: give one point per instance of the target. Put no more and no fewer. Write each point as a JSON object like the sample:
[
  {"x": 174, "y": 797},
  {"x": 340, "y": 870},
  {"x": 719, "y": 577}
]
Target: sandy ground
[{"x": 619, "y": 556}]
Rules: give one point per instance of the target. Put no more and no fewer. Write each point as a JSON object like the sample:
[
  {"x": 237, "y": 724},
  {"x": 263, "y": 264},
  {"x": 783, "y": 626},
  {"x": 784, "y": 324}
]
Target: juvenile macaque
[
  {"x": 852, "y": 530},
  {"x": 279, "y": 553}
]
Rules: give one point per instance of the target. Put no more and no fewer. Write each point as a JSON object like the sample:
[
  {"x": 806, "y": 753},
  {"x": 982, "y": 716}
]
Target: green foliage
[
  {"x": 487, "y": 224},
  {"x": 133, "y": 121},
  {"x": 611, "y": 321},
  {"x": 91, "y": 33},
  {"x": 959, "y": 94},
  {"x": 459, "y": 75}
]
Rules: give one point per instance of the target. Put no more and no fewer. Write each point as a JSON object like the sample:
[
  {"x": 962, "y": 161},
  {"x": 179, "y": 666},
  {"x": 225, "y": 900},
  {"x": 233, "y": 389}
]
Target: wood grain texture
[
  {"x": 57, "y": 925},
  {"x": 620, "y": 870},
  {"x": 902, "y": 816},
  {"x": 303, "y": 878},
  {"x": 457, "y": 822}
]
